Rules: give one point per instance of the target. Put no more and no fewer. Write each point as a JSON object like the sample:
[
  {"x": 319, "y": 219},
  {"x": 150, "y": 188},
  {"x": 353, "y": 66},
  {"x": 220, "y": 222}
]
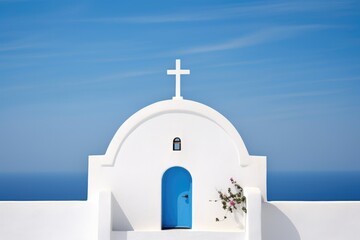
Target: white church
[{"x": 156, "y": 181}]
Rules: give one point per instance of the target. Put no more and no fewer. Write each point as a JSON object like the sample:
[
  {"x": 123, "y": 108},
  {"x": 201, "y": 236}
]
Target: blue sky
[{"x": 285, "y": 73}]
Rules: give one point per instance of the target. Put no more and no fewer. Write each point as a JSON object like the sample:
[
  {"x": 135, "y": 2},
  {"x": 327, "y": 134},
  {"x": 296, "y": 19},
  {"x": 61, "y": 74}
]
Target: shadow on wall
[
  {"x": 276, "y": 225},
  {"x": 119, "y": 219}
]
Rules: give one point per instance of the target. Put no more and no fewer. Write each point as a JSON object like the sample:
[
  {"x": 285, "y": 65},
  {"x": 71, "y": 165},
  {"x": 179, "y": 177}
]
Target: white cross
[{"x": 178, "y": 72}]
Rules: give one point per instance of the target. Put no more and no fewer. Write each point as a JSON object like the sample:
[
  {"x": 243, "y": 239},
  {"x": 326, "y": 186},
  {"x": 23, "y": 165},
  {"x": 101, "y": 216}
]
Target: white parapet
[
  {"x": 44, "y": 220},
  {"x": 104, "y": 214},
  {"x": 311, "y": 220},
  {"x": 253, "y": 216}
]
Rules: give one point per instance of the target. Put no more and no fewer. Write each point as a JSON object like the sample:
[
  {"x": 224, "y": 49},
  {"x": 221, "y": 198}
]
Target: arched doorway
[{"x": 176, "y": 209}]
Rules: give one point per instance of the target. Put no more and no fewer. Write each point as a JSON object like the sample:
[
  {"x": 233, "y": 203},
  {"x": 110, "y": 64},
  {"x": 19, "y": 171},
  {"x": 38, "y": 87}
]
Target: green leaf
[{"x": 244, "y": 209}]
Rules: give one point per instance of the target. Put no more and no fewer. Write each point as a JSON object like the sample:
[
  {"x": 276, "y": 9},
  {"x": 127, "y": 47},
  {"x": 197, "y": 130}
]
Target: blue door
[{"x": 176, "y": 198}]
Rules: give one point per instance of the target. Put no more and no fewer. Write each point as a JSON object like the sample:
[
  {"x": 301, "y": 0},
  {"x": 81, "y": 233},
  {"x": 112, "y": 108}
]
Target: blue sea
[
  {"x": 289, "y": 186},
  {"x": 43, "y": 186},
  {"x": 313, "y": 186}
]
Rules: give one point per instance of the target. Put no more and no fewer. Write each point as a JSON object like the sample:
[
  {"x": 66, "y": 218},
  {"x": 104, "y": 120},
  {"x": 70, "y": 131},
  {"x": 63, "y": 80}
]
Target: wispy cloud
[
  {"x": 147, "y": 19},
  {"x": 36, "y": 55},
  {"x": 292, "y": 111},
  {"x": 22, "y": 41},
  {"x": 287, "y": 7},
  {"x": 342, "y": 79},
  {"x": 239, "y": 63},
  {"x": 226, "y": 12},
  {"x": 15, "y": 47},
  {"x": 262, "y": 36},
  {"x": 326, "y": 80},
  {"x": 297, "y": 104},
  {"x": 124, "y": 75},
  {"x": 303, "y": 94},
  {"x": 13, "y": 1},
  {"x": 70, "y": 82}
]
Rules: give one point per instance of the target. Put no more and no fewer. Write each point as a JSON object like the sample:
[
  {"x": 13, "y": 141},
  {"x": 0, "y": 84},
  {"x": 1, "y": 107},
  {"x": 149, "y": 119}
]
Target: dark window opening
[{"x": 177, "y": 144}]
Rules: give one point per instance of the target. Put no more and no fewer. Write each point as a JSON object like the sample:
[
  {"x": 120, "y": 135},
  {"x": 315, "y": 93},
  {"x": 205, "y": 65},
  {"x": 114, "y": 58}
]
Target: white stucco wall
[
  {"x": 279, "y": 220},
  {"x": 55, "y": 220},
  {"x": 310, "y": 220},
  {"x": 212, "y": 151}
]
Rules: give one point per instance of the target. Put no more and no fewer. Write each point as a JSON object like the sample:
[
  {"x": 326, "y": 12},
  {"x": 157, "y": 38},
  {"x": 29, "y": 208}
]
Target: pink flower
[{"x": 232, "y": 203}]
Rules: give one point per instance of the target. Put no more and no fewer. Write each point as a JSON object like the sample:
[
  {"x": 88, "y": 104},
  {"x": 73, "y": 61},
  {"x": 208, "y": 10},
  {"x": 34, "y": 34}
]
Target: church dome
[{"x": 176, "y": 107}]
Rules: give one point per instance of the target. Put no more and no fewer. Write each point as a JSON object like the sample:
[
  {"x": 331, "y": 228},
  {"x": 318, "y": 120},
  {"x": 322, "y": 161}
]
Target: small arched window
[{"x": 177, "y": 144}]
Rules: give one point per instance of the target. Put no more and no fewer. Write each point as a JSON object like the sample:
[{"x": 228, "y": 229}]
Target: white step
[{"x": 177, "y": 235}]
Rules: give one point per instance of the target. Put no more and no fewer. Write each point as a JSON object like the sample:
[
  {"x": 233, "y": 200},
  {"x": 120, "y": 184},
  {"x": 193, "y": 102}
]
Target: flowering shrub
[{"x": 232, "y": 201}]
